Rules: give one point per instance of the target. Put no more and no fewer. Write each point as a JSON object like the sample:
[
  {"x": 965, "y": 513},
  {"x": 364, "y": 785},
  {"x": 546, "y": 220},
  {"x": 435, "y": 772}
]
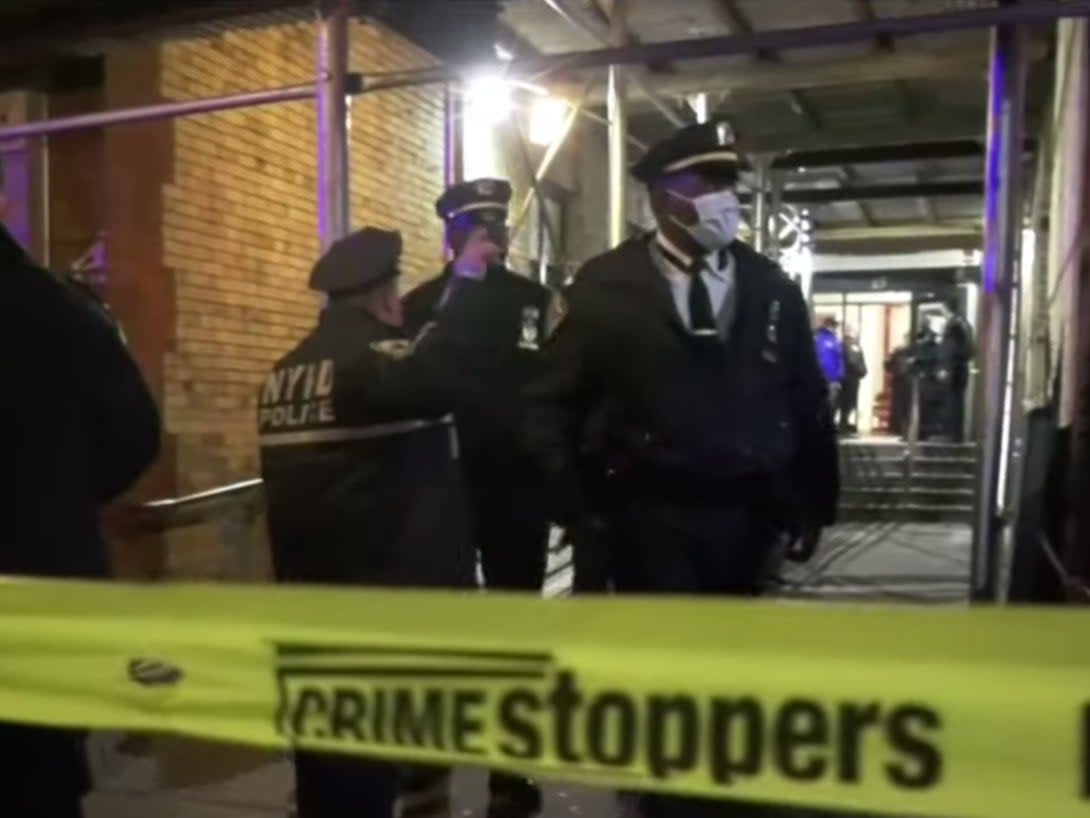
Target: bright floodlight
[
  {"x": 487, "y": 103},
  {"x": 547, "y": 116},
  {"x": 488, "y": 99}
]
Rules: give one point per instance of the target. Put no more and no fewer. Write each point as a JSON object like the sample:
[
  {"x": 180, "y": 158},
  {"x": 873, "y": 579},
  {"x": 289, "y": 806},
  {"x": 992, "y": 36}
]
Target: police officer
[
  {"x": 359, "y": 458},
  {"x": 509, "y": 512},
  {"x": 930, "y": 391},
  {"x": 830, "y": 354},
  {"x": 899, "y": 367},
  {"x": 80, "y": 426},
  {"x": 956, "y": 350},
  {"x": 717, "y": 425},
  {"x": 855, "y": 370}
]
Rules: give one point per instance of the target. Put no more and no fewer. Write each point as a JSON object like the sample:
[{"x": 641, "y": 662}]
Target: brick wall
[
  {"x": 76, "y": 191},
  {"x": 20, "y": 161},
  {"x": 212, "y": 227},
  {"x": 239, "y": 220}
]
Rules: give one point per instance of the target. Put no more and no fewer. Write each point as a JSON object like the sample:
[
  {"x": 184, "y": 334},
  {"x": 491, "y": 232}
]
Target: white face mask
[{"x": 717, "y": 214}]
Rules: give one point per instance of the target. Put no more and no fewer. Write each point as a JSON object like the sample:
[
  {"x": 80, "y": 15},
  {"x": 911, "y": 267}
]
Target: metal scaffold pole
[
  {"x": 1002, "y": 244},
  {"x": 618, "y": 132},
  {"x": 332, "y": 118},
  {"x": 760, "y": 205},
  {"x": 452, "y": 141}
]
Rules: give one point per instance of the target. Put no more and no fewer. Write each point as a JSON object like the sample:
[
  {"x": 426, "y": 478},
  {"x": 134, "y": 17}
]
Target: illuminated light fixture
[
  {"x": 1029, "y": 249},
  {"x": 699, "y": 105},
  {"x": 487, "y": 99},
  {"x": 486, "y": 103},
  {"x": 548, "y": 116},
  {"x": 503, "y": 54}
]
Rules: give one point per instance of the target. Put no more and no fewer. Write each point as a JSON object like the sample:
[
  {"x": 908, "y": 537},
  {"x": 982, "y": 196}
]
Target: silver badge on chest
[
  {"x": 528, "y": 338},
  {"x": 771, "y": 349}
]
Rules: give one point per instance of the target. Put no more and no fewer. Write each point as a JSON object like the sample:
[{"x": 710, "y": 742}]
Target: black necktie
[{"x": 701, "y": 314}]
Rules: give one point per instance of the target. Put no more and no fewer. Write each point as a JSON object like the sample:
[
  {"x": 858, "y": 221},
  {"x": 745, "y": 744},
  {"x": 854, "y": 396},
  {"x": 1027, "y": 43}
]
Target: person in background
[
  {"x": 80, "y": 427},
  {"x": 360, "y": 464},
  {"x": 830, "y": 356},
  {"x": 507, "y": 500},
  {"x": 899, "y": 367},
  {"x": 855, "y": 369},
  {"x": 931, "y": 394},
  {"x": 956, "y": 351},
  {"x": 693, "y": 355}
]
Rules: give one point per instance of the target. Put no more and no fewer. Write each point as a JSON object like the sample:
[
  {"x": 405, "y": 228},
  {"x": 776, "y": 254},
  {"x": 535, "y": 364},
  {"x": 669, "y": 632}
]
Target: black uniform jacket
[
  {"x": 956, "y": 350},
  {"x": 360, "y": 456},
  {"x": 510, "y": 319},
  {"x": 80, "y": 425},
  {"x": 674, "y": 411}
]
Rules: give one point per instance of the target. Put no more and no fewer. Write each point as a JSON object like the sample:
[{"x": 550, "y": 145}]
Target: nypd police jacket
[{"x": 359, "y": 453}]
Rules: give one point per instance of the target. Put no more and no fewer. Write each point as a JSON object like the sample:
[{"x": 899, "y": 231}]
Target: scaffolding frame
[{"x": 334, "y": 84}]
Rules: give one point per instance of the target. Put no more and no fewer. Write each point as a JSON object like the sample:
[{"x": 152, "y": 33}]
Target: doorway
[{"x": 880, "y": 321}]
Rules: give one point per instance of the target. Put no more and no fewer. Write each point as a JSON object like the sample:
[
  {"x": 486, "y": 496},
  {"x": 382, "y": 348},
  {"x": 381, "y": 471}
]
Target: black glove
[{"x": 803, "y": 542}]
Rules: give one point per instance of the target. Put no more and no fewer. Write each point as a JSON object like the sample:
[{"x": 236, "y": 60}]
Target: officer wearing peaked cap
[
  {"x": 511, "y": 525},
  {"x": 360, "y": 463},
  {"x": 509, "y": 518},
  {"x": 716, "y": 434}
]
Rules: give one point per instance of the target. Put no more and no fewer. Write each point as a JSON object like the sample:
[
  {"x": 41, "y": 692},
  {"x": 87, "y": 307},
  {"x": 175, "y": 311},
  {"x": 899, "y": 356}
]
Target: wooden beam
[
  {"x": 514, "y": 42},
  {"x": 738, "y": 22},
  {"x": 864, "y": 10},
  {"x": 897, "y": 230},
  {"x": 827, "y": 195},
  {"x": 776, "y": 78},
  {"x": 584, "y": 18},
  {"x": 865, "y": 210}
]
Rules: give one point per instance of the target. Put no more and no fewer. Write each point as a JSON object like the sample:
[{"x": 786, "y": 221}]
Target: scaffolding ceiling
[
  {"x": 884, "y": 93},
  {"x": 854, "y": 100}
]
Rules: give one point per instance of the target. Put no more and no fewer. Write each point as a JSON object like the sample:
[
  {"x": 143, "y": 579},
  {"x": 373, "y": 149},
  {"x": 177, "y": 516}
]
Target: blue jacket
[{"x": 830, "y": 354}]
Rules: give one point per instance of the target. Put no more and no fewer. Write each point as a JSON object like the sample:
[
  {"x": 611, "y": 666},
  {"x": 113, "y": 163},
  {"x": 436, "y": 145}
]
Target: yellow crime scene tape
[{"x": 962, "y": 714}]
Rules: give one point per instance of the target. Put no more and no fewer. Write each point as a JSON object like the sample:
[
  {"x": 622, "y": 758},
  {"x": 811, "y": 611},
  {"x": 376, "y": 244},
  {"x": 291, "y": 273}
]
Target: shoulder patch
[
  {"x": 555, "y": 314},
  {"x": 393, "y": 347}
]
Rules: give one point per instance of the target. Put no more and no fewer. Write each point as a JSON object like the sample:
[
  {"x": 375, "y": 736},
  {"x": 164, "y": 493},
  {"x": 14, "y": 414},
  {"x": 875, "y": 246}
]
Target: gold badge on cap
[
  {"x": 486, "y": 188},
  {"x": 528, "y": 338}
]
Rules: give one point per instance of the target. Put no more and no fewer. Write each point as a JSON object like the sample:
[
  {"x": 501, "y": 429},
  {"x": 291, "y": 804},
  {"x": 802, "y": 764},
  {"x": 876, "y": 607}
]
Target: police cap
[
  {"x": 480, "y": 201},
  {"x": 708, "y": 149},
  {"x": 358, "y": 262}
]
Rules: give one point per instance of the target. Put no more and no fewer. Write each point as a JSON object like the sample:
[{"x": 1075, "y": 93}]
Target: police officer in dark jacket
[
  {"x": 930, "y": 390},
  {"x": 855, "y": 369},
  {"x": 509, "y": 514},
  {"x": 80, "y": 426},
  {"x": 899, "y": 367},
  {"x": 717, "y": 425},
  {"x": 360, "y": 461},
  {"x": 956, "y": 350},
  {"x": 507, "y": 502}
]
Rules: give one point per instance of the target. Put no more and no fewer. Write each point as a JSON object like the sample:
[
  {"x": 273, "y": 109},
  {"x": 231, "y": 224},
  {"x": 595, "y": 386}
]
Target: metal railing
[
  {"x": 237, "y": 507},
  {"x": 193, "y": 509},
  {"x": 234, "y": 511}
]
